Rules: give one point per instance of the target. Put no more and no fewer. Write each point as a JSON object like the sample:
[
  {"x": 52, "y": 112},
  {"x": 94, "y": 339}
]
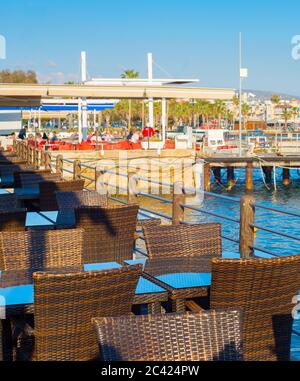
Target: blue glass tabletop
[
  {"x": 7, "y": 179},
  {"x": 186, "y": 280},
  {"x": 41, "y": 218},
  {"x": 27, "y": 192},
  {"x": 4, "y": 191},
  {"x": 50, "y": 218}
]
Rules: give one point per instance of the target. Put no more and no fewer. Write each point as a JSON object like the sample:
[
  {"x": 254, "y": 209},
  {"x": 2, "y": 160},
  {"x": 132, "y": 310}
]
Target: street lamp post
[
  {"x": 193, "y": 102},
  {"x": 243, "y": 74}
]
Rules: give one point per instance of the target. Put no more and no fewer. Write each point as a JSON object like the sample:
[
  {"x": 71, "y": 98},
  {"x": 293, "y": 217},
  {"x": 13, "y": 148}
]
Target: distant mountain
[{"x": 265, "y": 95}]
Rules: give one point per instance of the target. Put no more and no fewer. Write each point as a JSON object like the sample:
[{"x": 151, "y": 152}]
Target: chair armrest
[{"x": 193, "y": 306}]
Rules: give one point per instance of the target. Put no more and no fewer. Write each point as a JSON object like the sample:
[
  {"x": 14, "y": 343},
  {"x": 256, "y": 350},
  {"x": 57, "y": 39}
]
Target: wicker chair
[
  {"x": 12, "y": 160},
  {"x": 41, "y": 249},
  {"x": 48, "y": 191},
  {"x": 12, "y": 168},
  {"x": 66, "y": 303},
  {"x": 263, "y": 289},
  {"x": 12, "y": 220},
  {"x": 32, "y": 180},
  {"x": 108, "y": 232},
  {"x": 17, "y": 175},
  {"x": 72, "y": 200},
  {"x": 8, "y": 202},
  {"x": 171, "y": 337},
  {"x": 183, "y": 240},
  {"x": 7, "y": 174}
]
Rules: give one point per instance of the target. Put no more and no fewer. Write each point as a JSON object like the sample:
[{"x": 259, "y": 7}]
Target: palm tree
[
  {"x": 219, "y": 110},
  {"x": 245, "y": 113},
  {"x": 275, "y": 99},
  {"x": 286, "y": 114},
  {"x": 235, "y": 100},
  {"x": 294, "y": 113},
  {"x": 130, "y": 73}
]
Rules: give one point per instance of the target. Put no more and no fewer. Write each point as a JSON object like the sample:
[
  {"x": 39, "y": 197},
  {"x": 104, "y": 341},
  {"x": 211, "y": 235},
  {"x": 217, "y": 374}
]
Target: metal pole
[
  {"x": 240, "y": 100},
  {"x": 150, "y": 100},
  {"x": 79, "y": 121},
  {"x": 163, "y": 119}
]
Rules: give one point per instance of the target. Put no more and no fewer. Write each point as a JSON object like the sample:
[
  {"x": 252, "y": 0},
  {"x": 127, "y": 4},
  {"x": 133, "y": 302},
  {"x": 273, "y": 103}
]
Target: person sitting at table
[
  {"x": 22, "y": 133},
  {"x": 54, "y": 137}
]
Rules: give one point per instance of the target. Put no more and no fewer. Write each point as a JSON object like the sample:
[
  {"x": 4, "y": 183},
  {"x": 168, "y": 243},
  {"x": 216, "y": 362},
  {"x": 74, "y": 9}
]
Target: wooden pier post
[
  {"x": 28, "y": 156},
  {"x": 268, "y": 174},
  {"x": 207, "y": 177},
  {"x": 76, "y": 170},
  {"x": 286, "y": 176},
  {"x": 249, "y": 176},
  {"x": 132, "y": 188},
  {"x": 59, "y": 165},
  {"x": 230, "y": 174},
  {"x": 47, "y": 161},
  {"x": 217, "y": 175},
  {"x": 14, "y": 146},
  {"x": 178, "y": 201},
  {"x": 36, "y": 158},
  {"x": 247, "y": 213},
  {"x": 97, "y": 175}
]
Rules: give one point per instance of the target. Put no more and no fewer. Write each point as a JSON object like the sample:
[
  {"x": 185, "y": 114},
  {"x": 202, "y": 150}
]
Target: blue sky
[{"x": 189, "y": 38}]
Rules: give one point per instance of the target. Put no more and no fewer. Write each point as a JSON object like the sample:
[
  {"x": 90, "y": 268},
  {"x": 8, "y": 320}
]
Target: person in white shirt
[{"x": 135, "y": 137}]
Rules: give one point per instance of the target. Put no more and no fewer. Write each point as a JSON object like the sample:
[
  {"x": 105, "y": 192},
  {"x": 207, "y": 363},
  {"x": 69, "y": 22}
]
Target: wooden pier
[{"x": 267, "y": 163}]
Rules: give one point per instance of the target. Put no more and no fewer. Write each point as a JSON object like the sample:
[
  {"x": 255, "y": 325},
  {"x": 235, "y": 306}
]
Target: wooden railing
[{"x": 246, "y": 204}]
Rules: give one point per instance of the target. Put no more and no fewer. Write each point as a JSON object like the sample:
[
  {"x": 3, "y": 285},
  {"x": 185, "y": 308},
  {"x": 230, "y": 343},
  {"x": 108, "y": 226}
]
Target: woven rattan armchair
[
  {"x": 17, "y": 176},
  {"x": 171, "y": 337},
  {"x": 48, "y": 191},
  {"x": 72, "y": 200},
  {"x": 12, "y": 220},
  {"x": 41, "y": 249},
  {"x": 8, "y": 202},
  {"x": 66, "y": 303},
  {"x": 32, "y": 180},
  {"x": 263, "y": 289},
  {"x": 183, "y": 240},
  {"x": 12, "y": 168},
  {"x": 108, "y": 232}
]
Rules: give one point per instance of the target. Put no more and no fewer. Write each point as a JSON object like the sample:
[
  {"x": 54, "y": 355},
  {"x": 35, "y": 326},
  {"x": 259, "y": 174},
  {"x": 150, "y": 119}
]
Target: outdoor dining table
[
  {"x": 27, "y": 193},
  {"x": 17, "y": 290},
  {"x": 6, "y": 181},
  {"x": 62, "y": 218},
  {"x": 183, "y": 277},
  {"x": 50, "y": 219}
]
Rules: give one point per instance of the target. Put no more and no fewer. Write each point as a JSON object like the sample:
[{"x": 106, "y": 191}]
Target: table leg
[
  {"x": 155, "y": 308},
  {"x": 178, "y": 305},
  {"x": 6, "y": 350}
]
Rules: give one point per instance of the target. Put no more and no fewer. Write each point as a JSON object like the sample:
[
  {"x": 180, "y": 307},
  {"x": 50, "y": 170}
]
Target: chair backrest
[
  {"x": 108, "y": 232},
  {"x": 32, "y": 180},
  {"x": 17, "y": 176},
  {"x": 183, "y": 240},
  {"x": 72, "y": 200},
  {"x": 48, "y": 189},
  {"x": 65, "y": 304},
  {"x": 12, "y": 220},
  {"x": 8, "y": 202},
  {"x": 11, "y": 169},
  {"x": 41, "y": 249},
  {"x": 212, "y": 335},
  {"x": 263, "y": 289}
]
